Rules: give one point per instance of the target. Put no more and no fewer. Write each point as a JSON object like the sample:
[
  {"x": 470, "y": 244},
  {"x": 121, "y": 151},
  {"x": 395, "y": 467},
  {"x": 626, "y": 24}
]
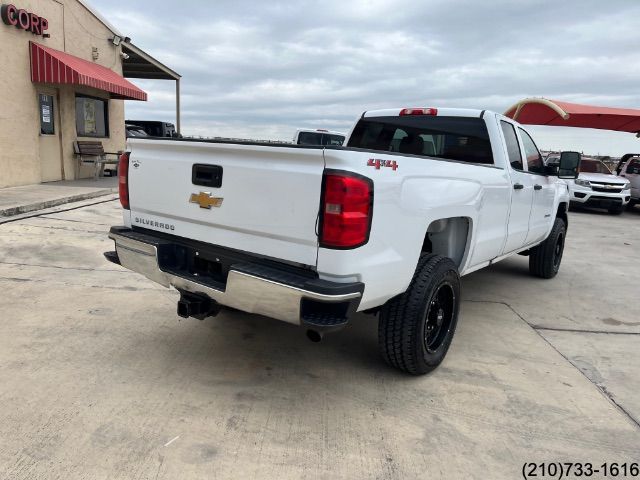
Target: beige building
[{"x": 62, "y": 80}]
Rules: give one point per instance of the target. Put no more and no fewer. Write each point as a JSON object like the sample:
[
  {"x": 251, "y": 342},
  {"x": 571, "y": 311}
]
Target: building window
[
  {"x": 92, "y": 116},
  {"x": 47, "y": 126}
]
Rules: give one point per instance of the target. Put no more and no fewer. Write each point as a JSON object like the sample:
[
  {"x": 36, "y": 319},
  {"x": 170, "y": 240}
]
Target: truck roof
[{"x": 445, "y": 112}]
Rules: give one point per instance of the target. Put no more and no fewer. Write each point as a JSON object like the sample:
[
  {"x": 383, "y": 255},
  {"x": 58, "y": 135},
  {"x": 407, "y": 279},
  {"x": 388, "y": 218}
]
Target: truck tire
[
  {"x": 544, "y": 259},
  {"x": 415, "y": 329}
]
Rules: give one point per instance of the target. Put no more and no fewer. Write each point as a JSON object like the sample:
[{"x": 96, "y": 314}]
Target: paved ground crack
[
  {"x": 49, "y": 217},
  {"x": 501, "y": 303},
  {"x": 84, "y": 269},
  {"x": 608, "y": 394},
  {"x": 101, "y": 232},
  {"x": 161, "y": 461},
  {"x": 575, "y": 330},
  {"x": 601, "y": 388},
  {"x": 77, "y": 207},
  {"x": 67, "y": 284}
]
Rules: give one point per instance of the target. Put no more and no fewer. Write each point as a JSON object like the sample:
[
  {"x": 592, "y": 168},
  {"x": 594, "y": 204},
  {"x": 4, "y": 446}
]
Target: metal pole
[{"x": 178, "y": 106}]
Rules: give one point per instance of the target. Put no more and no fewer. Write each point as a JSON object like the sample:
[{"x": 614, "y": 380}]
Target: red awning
[
  {"x": 53, "y": 66},
  {"x": 541, "y": 111}
]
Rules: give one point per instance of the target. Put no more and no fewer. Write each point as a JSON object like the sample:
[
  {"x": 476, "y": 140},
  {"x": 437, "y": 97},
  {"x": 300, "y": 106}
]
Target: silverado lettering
[{"x": 153, "y": 223}]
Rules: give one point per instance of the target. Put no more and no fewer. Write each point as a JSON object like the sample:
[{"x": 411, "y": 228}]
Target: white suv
[
  {"x": 597, "y": 187},
  {"x": 629, "y": 168}
]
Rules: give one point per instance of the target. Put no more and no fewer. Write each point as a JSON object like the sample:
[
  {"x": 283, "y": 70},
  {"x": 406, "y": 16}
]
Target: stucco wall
[{"x": 75, "y": 30}]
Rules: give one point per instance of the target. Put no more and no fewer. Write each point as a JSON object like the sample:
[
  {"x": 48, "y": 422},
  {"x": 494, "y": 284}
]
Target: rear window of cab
[{"x": 452, "y": 138}]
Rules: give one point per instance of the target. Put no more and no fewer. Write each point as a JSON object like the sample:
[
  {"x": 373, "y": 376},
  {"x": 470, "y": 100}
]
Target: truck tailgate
[{"x": 267, "y": 201}]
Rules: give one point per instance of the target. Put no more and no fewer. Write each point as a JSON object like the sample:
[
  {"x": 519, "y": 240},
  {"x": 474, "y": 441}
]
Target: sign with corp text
[{"x": 27, "y": 21}]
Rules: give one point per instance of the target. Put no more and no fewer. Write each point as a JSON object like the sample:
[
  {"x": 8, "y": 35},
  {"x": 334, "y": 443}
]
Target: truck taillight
[
  {"x": 418, "y": 111},
  {"x": 123, "y": 180},
  {"x": 347, "y": 208}
]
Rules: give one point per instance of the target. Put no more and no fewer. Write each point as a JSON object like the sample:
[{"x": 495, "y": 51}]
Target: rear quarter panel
[{"x": 406, "y": 201}]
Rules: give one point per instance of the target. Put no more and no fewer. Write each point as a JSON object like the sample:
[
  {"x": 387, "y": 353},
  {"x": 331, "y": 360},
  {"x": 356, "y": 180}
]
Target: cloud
[{"x": 262, "y": 69}]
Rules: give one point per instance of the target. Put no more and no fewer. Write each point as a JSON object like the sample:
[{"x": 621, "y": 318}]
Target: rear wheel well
[{"x": 448, "y": 237}]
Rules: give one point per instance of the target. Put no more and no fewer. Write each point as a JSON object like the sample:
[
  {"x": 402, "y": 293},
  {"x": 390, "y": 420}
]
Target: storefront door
[{"x": 50, "y": 147}]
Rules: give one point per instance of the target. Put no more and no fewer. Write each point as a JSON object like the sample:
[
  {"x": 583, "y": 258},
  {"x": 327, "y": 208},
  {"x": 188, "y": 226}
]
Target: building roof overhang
[
  {"x": 139, "y": 64},
  {"x": 542, "y": 111}
]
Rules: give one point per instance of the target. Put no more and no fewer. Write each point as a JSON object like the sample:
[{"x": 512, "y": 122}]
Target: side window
[
  {"x": 513, "y": 148},
  {"x": 309, "y": 138},
  {"x": 534, "y": 159},
  {"x": 430, "y": 143},
  {"x": 328, "y": 139},
  {"x": 634, "y": 166},
  {"x": 398, "y": 136}
]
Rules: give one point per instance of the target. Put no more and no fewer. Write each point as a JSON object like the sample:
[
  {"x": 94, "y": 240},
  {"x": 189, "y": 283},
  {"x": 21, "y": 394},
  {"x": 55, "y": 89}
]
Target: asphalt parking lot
[{"x": 100, "y": 379}]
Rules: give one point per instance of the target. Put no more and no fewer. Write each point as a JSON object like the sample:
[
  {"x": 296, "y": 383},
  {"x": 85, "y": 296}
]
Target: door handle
[
  {"x": 518, "y": 186},
  {"x": 537, "y": 187},
  {"x": 206, "y": 175}
]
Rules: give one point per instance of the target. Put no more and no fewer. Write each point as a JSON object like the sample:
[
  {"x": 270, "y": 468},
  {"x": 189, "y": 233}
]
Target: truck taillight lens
[
  {"x": 123, "y": 180},
  {"x": 347, "y": 208}
]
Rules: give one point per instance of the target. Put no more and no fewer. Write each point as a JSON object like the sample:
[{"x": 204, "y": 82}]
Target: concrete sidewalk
[{"x": 28, "y": 198}]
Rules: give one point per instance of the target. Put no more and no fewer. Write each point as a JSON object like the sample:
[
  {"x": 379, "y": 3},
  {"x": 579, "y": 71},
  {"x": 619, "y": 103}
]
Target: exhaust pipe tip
[{"x": 314, "y": 336}]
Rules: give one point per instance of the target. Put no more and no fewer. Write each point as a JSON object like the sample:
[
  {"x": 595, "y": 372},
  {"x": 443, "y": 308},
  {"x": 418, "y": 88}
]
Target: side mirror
[
  {"x": 551, "y": 170},
  {"x": 569, "y": 163}
]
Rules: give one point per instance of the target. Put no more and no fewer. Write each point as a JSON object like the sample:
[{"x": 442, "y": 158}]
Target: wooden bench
[{"x": 92, "y": 151}]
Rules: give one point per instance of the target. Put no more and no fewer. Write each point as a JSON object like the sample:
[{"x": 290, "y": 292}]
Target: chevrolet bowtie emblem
[{"x": 205, "y": 200}]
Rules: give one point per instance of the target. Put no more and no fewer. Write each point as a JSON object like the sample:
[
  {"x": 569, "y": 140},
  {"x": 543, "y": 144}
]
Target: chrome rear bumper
[{"x": 244, "y": 291}]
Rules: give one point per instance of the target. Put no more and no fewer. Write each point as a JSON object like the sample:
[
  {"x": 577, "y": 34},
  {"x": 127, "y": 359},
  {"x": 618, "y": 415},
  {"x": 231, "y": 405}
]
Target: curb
[{"x": 9, "y": 212}]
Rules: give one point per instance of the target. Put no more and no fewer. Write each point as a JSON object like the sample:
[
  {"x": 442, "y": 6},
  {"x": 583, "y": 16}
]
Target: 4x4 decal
[{"x": 376, "y": 162}]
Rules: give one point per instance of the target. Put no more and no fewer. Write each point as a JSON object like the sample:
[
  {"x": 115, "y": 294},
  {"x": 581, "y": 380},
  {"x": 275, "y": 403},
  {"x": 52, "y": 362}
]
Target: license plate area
[{"x": 192, "y": 263}]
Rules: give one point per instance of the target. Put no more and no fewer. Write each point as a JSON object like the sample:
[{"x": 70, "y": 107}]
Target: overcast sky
[{"x": 260, "y": 69}]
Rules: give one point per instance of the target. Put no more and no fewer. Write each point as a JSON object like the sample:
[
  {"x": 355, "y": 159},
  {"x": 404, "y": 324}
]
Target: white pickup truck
[
  {"x": 310, "y": 235},
  {"x": 306, "y": 136}
]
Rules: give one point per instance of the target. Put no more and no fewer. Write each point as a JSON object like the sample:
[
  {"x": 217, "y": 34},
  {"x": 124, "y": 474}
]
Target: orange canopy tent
[{"x": 541, "y": 111}]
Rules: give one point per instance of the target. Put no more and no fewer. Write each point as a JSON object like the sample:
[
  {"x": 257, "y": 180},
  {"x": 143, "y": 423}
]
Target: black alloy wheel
[
  {"x": 439, "y": 317},
  {"x": 558, "y": 251}
]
